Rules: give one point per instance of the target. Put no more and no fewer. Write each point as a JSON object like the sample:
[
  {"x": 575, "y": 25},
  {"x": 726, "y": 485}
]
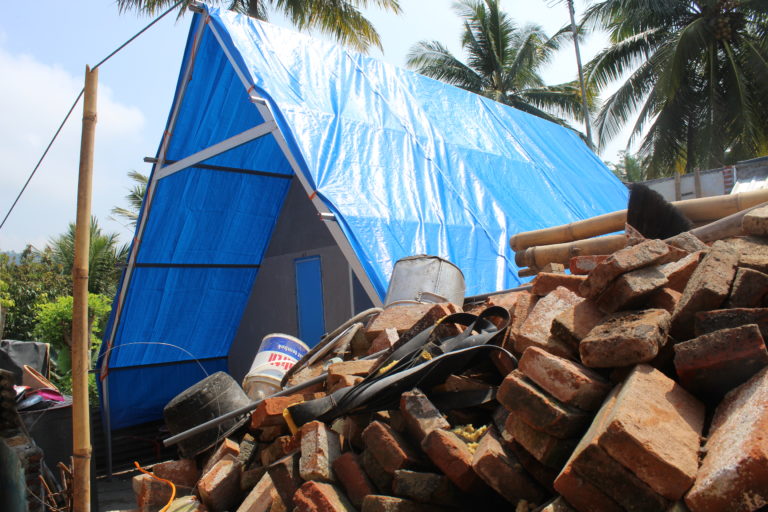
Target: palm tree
[
  {"x": 135, "y": 198},
  {"x": 696, "y": 79},
  {"x": 503, "y": 62},
  {"x": 103, "y": 259},
  {"x": 341, "y": 19}
]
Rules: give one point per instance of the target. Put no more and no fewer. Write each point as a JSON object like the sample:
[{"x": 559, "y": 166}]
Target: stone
[
  {"x": 630, "y": 289},
  {"x": 545, "y": 283},
  {"x": 227, "y": 447},
  {"x": 410, "y": 318},
  {"x": 652, "y": 426},
  {"x": 389, "y": 448},
  {"x": 755, "y": 222},
  {"x": 421, "y": 416},
  {"x": 452, "y": 456},
  {"x": 502, "y": 472},
  {"x": 711, "y": 321},
  {"x": 715, "y": 363},
  {"x": 706, "y": 289},
  {"x": 219, "y": 487},
  {"x": 536, "y": 329},
  {"x": 547, "y": 449},
  {"x": 665, "y": 298},
  {"x": 260, "y": 497},
  {"x": 320, "y": 497},
  {"x": 353, "y": 478},
  {"x": 181, "y": 472},
  {"x": 583, "y": 265},
  {"x": 425, "y": 488},
  {"x": 540, "y": 410},
  {"x": 679, "y": 272},
  {"x": 624, "y": 260},
  {"x": 319, "y": 448},
  {"x": 380, "y": 478},
  {"x": 749, "y": 289},
  {"x": 285, "y": 477},
  {"x": 385, "y": 340},
  {"x": 573, "y": 324},
  {"x": 569, "y": 382},
  {"x": 626, "y": 338},
  {"x": 734, "y": 472}
]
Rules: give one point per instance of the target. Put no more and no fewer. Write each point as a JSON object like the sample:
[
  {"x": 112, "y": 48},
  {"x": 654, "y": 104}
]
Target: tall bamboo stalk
[{"x": 81, "y": 432}]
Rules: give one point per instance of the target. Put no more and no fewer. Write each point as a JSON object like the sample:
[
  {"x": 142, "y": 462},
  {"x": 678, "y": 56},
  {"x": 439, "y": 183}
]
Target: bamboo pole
[
  {"x": 705, "y": 209},
  {"x": 562, "y": 253},
  {"x": 81, "y": 432}
]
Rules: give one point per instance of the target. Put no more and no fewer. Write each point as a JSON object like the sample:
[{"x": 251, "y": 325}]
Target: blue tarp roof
[{"x": 407, "y": 164}]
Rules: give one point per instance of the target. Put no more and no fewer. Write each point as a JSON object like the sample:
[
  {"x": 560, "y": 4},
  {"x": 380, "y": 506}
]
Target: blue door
[{"x": 309, "y": 299}]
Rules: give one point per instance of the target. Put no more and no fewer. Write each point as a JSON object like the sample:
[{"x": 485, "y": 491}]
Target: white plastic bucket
[{"x": 277, "y": 354}]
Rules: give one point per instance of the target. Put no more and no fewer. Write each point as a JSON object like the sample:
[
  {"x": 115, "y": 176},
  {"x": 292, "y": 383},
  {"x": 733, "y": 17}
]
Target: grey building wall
[{"x": 299, "y": 233}]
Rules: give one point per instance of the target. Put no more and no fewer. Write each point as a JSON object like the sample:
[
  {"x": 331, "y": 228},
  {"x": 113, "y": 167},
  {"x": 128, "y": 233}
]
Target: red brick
[
  {"x": 536, "y": 329},
  {"x": 285, "y": 477},
  {"x": 279, "y": 448},
  {"x": 757, "y": 262},
  {"x": 679, "y": 272},
  {"x": 630, "y": 289},
  {"x": 665, "y": 298},
  {"x": 518, "y": 313},
  {"x": 359, "y": 368},
  {"x": 182, "y": 472},
  {"x": 413, "y": 317},
  {"x": 537, "y": 408},
  {"x": 653, "y": 427},
  {"x": 378, "y": 503},
  {"x": 452, "y": 456},
  {"x": 385, "y": 340},
  {"x": 270, "y": 411},
  {"x": 342, "y": 381},
  {"x": 319, "y": 448},
  {"x": 425, "y": 488},
  {"x": 389, "y": 448},
  {"x": 350, "y": 473},
  {"x": 543, "y": 474},
  {"x": 583, "y": 265},
  {"x": 250, "y": 477},
  {"x": 687, "y": 242},
  {"x": 545, "y": 283},
  {"x": 715, "y": 363},
  {"x": 503, "y": 473},
  {"x": 748, "y": 290},
  {"x": 711, "y": 321},
  {"x": 620, "y": 262},
  {"x": 227, "y": 447},
  {"x": 393, "y": 418},
  {"x": 152, "y": 494},
  {"x": 260, "y": 497},
  {"x": 573, "y": 324},
  {"x": 547, "y": 449},
  {"x": 320, "y": 497},
  {"x": 569, "y": 382},
  {"x": 755, "y": 222},
  {"x": 707, "y": 288},
  {"x": 421, "y": 416},
  {"x": 624, "y": 339},
  {"x": 582, "y": 495},
  {"x": 380, "y": 478},
  {"x": 734, "y": 473},
  {"x": 219, "y": 487}
]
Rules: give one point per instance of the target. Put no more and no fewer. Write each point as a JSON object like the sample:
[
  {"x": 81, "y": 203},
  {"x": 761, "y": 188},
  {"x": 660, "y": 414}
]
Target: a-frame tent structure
[{"x": 395, "y": 163}]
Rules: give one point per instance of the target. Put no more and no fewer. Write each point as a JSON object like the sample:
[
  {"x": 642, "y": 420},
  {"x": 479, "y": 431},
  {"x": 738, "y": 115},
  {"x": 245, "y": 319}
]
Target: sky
[{"x": 43, "y": 54}]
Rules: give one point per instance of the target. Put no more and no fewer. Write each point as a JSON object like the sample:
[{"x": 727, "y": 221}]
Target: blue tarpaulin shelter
[{"x": 403, "y": 164}]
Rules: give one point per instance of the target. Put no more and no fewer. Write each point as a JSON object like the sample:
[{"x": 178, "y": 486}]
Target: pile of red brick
[{"x": 642, "y": 385}]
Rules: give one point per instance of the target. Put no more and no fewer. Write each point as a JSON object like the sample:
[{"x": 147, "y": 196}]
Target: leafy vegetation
[{"x": 135, "y": 198}]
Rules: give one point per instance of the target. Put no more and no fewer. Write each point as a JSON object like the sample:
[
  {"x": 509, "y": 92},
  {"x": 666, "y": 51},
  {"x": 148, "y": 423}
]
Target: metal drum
[{"x": 425, "y": 278}]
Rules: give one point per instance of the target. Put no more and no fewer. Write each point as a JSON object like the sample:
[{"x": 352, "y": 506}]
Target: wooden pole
[{"x": 81, "y": 431}]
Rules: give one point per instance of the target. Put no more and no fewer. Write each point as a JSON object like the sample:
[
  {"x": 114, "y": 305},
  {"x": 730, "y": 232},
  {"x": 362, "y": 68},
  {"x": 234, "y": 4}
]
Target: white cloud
[{"x": 34, "y": 97}]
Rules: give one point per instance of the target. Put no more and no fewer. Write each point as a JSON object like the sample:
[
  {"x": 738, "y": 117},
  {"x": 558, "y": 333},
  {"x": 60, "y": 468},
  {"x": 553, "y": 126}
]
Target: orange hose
[{"x": 173, "y": 487}]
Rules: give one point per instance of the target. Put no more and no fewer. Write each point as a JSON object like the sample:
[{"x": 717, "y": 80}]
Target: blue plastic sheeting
[{"x": 409, "y": 165}]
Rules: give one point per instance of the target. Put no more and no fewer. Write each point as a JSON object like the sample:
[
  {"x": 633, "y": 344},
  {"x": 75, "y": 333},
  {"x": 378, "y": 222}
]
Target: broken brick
[
  {"x": 711, "y": 321},
  {"x": 706, "y": 289},
  {"x": 182, "y": 472},
  {"x": 545, "y": 283},
  {"x": 219, "y": 487},
  {"x": 260, "y": 497},
  {"x": 342, "y": 381},
  {"x": 385, "y": 340},
  {"x": 320, "y": 497},
  {"x": 749, "y": 289},
  {"x": 573, "y": 324},
  {"x": 425, "y": 487},
  {"x": 421, "y": 416},
  {"x": 350, "y": 473},
  {"x": 567, "y": 381},
  {"x": 319, "y": 448},
  {"x": 715, "y": 363},
  {"x": 285, "y": 476},
  {"x": 630, "y": 288},
  {"x": 625, "y": 339},
  {"x": 408, "y": 318},
  {"x": 584, "y": 496},
  {"x": 378, "y": 503},
  {"x": 279, "y": 448},
  {"x": 755, "y": 222},
  {"x": 452, "y": 455},
  {"x": 547, "y": 449},
  {"x": 536, "y": 329},
  {"x": 270, "y": 411},
  {"x": 687, "y": 241},
  {"x": 502, "y": 472},
  {"x": 227, "y": 447},
  {"x": 388, "y": 447},
  {"x": 679, "y": 272},
  {"x": 734, "y": 472},
  {"x": 541, "y": 411},
  {"x": 151, "y": 493},
  {"x": 373, "y": 468},
  {"x": 665, "y": 298},
  {"x": 583, "y": 265},
  {"x": 624, "y": 260}
]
